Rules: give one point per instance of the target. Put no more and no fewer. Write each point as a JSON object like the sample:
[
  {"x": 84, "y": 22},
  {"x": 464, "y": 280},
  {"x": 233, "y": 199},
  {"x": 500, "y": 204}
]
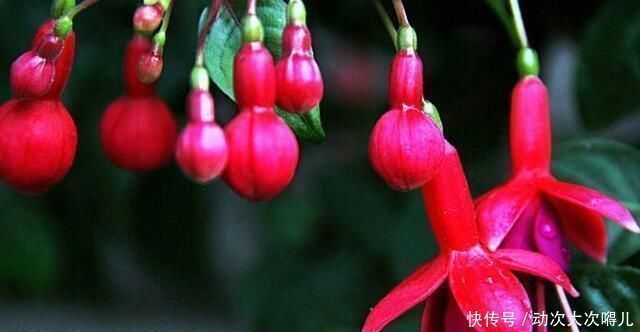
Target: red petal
[
  {"x": 584, "y": 228},
  {"x": 411, "y": 291},
  {"x": 433, "y": 314},
  {"x": 499, "y": 209},
  {"x": 480, "y": 286},
  {"x": 592, "y": 200},
  {"x": 536, "y": 264}
]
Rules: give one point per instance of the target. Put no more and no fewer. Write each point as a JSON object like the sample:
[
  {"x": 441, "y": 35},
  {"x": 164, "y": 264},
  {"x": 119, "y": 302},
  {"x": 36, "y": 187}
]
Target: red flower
[
  {"x": 37, "y": 135},
  {"x": 202, "y": 147},
  {"x": 566, "y": 210},
  {"x": 137, "y": 131},
  {"x": 298, "y": 76},
  {"x": 478, "y": 281},
  {"x": 406, "y": 146}
]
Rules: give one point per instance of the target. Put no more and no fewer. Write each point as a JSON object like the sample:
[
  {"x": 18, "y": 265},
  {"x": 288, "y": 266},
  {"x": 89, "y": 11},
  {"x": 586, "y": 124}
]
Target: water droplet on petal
[{"x": 548, "y": 231}]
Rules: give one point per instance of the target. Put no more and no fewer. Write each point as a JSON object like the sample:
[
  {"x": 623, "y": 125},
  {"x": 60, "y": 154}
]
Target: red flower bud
[
  {"x": 137, "y": 46},
  {"x": 405, "y": 80},
  {"x": 138, "y": 134},
  {"x": 64, "y": 61},
  {"x": 406, "y": 148},
  {"x": 298, "y": 76},
  {"x": 50, "y": 47},
  {"x": 254, "y": 81},
  {"x": 31, "y": 76},
  {"x": 149, "y": 67},
  {"x": 37, "y": 144},
  {"x": 202, "y": 147},
  {"x": 147, "y": 19},
  {"x": 263, "y": 154}
]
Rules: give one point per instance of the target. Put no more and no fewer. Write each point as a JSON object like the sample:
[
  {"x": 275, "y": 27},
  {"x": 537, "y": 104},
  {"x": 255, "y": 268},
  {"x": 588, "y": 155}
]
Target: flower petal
[
  {"x": 592, "y": 200},
  {"x": 434, "y": 309},
  {"x": 411, "y": 291},
  {"x": 549, "y": 238},
  {"x": 482, "y": 287},
  {"x": 536, "y": 264},
  {"x": 499, "y": 209},
  {"x": 584, "y": 228}
]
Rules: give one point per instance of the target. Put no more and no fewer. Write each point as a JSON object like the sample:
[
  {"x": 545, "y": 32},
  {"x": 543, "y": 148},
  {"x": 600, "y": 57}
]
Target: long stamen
[{"x": 566, "y": 307}]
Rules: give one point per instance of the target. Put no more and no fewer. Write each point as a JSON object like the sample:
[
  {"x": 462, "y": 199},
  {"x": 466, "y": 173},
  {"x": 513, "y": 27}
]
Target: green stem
[
  {"x": 206, "y": 29},
  {"x": 386, "y": 20},
  {"x": 505, "y": 19},
  {"x": 518, "y": 23},
  {"x": 161, "y": 36},
  {"x": 80, "y": 7}
]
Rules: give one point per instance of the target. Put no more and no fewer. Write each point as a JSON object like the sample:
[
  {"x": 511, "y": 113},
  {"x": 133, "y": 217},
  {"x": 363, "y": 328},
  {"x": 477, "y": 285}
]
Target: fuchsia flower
[
  {"x": 465, "y": 273},
  {"x": 535, "y": 211}
]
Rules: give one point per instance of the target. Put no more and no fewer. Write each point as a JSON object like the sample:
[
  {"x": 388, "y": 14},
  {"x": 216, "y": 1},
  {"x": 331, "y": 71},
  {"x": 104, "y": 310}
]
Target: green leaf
[
  {"x": 224, "y": 42},
  {"x": 608, "y": 288},
  {"x": 609, "y": 72},
  {"x": 612, "y": 168}
]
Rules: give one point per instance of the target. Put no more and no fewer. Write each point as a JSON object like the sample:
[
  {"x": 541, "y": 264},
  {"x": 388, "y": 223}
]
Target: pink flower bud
[
  {"x": 406, "y": 148},
  {"x": 147, "y": 19},
  {"x": 31, "y": 76},
  {"x": 263, "y": 154},
  {"x": 149, "y": 67},
  {"x": 254, "y": 82},
  {"x": 202, "y": 151}
]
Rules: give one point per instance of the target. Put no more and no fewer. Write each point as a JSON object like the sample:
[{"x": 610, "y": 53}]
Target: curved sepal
[
  {"x": 481, "y": 287},
  {"x": 499, "y": 209},
  {"x": 535, "y": 264},
  {"x": 592, "y": 200},
  {"x": 411, "y": 291}
]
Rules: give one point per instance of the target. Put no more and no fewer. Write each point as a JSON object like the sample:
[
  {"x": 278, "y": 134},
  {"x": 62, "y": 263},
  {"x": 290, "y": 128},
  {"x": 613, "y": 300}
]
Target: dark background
[{"x": 107, "y": 249}]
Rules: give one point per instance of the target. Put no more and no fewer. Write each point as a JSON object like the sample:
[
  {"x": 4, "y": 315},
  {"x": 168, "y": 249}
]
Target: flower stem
[
  {"x": 161, "y": 36},
  {"x": 251, "y": 7},
  {"x": 567, "y": 309},
  {"x": 386, "y": 20},
  {"x": 80, "y": 7},
  {"x": 403, "y": 20},
  {"x": 206, "y": 29},
  {"x": 518, "y": 23}
]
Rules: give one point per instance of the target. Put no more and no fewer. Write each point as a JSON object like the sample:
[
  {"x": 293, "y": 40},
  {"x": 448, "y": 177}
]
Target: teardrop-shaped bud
[
  {"x": 37, "y": 144},
  {"x": 147, "y": 19},
  {"x": 299, "y": 81},
  {"x": 254, "y": 82},
  {"x": 64, "y": 62},
  {"x": 263, "y": 154},
  {"x": 137, "y": 46},
  {"x": 202, "y": 151},
  {"x": 149, "y": 67},
  {"x": 138, "y": 134},
  {"x": 31, "y": 76},
  {"x": 406, "y": 148}
]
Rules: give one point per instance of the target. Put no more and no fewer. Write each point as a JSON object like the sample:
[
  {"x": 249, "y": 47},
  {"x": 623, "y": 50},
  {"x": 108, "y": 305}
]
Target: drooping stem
[
  {"x": 518, "y": 23},
  {"x": 81, "y": 6},
  {"x": 386, "y": 20},
  {"x": 566, "y": 307},
  {"x": 251, "y": 7},
  {"x": 206, "y": 29},
  {"x": 403, "y": 20},
  {"x": 160, "y": 37}
]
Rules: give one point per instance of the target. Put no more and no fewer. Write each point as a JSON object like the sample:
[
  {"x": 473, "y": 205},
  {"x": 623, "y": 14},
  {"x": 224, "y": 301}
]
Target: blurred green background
[{"x": 106, "y": 249}]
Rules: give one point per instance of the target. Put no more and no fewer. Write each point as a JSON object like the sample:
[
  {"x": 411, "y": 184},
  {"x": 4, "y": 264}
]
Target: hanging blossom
[
  {"x": 466, "y": 274},
  {"x": 535, "y": 211}
]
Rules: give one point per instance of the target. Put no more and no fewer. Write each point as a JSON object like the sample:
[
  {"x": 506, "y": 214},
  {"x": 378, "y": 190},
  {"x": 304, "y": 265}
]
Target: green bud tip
[
  {"x": 407, "y": 38},
  {"x": 159, "y": 39},
  {"x": 60, "y": 8},
  {"x": 527, "y": 62},
  {"x": 252, "y": 30},
  {"x": 432, "y": 112},
  {"x": 296, "y": 12},
  {"x": 199, "y": 78},
  {"x": 63, "y": 27}
]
